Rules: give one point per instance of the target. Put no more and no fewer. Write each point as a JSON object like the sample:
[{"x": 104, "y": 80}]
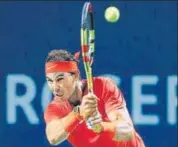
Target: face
[{"x": 63, "y": 85}]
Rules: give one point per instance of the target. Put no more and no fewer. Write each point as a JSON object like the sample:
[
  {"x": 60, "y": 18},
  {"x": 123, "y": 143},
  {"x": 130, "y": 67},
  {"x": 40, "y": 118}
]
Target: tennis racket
[{"x": 88, "y": 47}]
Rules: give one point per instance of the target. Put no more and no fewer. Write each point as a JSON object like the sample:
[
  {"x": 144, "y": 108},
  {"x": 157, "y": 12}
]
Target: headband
[{"x": 61, "y": 66}]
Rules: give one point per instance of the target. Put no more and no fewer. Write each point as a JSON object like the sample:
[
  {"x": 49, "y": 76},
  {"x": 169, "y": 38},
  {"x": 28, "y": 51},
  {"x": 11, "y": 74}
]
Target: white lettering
[
  {"x": 138, "y": 99},
  {"x": 24, "y": 101},
  {"x": 46, "y": 96},
  {"x": 172, "y": 100}
]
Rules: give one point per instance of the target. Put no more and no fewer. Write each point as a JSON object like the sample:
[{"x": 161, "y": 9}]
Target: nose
[{"x": 56, "y": 85}]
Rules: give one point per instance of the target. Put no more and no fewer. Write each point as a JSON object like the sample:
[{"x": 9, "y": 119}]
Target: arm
[
  {"x": 61, "y": 120},
  {"x": 58, "y": 130},
  {"x": 120, "y": 126}
]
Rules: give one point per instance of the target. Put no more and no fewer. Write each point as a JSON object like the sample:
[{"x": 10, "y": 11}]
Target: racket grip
[{"x": 97, "y": 128}]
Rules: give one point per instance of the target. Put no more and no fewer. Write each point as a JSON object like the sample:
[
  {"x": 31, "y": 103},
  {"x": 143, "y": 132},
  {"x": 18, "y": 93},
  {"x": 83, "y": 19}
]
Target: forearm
[
  {"x": 58, "y": 130},
  {"x": 119, "y": 131}
]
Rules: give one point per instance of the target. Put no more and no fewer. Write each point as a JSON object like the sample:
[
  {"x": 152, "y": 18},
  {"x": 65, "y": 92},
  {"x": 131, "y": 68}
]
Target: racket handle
[{"x": 97, "y": 128}]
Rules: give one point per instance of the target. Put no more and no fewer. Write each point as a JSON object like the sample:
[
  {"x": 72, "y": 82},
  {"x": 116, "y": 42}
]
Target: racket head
[
  {"x": 88, "y": 41},
  {"x": 87, "y": 33}
]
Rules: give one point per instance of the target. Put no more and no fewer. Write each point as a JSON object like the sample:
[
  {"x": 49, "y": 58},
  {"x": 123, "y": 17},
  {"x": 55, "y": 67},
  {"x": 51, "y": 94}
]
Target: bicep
[
  {"x": 55, "y": 131},
  {"x": 51, "y": 126}
]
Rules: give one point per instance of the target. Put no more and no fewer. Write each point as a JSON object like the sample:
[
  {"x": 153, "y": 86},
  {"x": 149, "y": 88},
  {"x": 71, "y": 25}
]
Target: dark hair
[{"x": 60, "y": 55}]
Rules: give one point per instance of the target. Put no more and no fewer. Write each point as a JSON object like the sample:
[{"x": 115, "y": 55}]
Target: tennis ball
[{"x": 112, "y": 14}]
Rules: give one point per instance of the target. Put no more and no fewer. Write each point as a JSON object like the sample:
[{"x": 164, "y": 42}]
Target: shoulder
[
  {"x": 49, "y": 112},
  {"x": 99, "y": 80},
  {"x": 57, "y": 105},
  {"x": 104, "y": 82},
  {"x": 50, "y": 108},
  {"x": 53, "y": 105},
  {"x": 104, "y": 87},
  {"x": 57, "y": 109}
]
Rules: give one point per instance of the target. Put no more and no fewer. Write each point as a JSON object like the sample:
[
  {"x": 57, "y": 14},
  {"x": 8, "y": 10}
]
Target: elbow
[
  {"x": 51, "y": 140},
  {"x": 51, "y": 136},
  {"x": 55, "y": 133},
  {"x": 56, "y": 138}
]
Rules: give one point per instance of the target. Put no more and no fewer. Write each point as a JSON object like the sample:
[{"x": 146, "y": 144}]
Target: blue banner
[{"x": 139, "y": 52}]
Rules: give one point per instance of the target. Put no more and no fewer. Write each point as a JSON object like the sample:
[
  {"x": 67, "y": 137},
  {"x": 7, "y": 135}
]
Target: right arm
[
  {"x": 62, "y": 120},
  {"x": 57, "y": 130}
]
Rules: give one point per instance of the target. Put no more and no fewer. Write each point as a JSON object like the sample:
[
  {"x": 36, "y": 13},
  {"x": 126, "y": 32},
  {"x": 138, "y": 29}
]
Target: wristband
[
  {"x": 72, "y": 120},
  {"x": 77, "y": 113}
]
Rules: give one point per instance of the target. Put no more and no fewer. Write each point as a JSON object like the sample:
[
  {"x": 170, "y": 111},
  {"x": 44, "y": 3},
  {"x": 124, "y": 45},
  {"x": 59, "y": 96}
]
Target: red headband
[{"x": 61, "y": 66}]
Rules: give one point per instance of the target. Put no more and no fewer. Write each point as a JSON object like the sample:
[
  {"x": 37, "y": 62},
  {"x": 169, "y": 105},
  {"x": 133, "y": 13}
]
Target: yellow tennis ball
[{"x": 112, "y": 14}]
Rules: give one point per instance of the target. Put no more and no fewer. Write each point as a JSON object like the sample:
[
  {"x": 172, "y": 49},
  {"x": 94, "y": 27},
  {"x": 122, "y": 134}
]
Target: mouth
[{"x": 58, "y": 93}]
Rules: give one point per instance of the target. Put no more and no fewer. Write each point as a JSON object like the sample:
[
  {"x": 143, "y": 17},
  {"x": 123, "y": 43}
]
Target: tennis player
[{"x": 73, "y": 112}]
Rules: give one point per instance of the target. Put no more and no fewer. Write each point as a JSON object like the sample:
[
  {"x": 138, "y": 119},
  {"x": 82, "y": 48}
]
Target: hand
[
  {"x": 93, "y": 120},
  {"x": 88, "y": 105}
]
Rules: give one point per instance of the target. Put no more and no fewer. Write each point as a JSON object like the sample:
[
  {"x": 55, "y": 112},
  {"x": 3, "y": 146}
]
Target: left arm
[{"x": 120, "y": 127}]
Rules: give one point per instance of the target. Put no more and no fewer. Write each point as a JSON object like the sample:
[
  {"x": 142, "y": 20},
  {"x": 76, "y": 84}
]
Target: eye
[
  {"x": 49, "y": 80},
  {"x": 59, "y": 79}
]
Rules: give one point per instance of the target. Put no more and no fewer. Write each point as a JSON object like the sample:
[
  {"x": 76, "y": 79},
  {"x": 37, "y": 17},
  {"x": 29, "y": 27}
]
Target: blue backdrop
[{"x": 139, "y": 52}]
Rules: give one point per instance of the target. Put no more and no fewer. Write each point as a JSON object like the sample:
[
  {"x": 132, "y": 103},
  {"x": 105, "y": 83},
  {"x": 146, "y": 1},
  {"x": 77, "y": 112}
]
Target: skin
[
  {"x": 63, "y": 85},
  {"x": 66, "y": 86}
]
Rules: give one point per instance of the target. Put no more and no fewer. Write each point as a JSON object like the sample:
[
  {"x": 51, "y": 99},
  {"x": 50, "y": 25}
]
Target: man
[{"x": 73, "y": 113}]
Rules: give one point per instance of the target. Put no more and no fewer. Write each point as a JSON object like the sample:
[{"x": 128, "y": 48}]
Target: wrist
[
  {"x": 76, "y": 110},
  {"x": 70, "y": 122}
]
